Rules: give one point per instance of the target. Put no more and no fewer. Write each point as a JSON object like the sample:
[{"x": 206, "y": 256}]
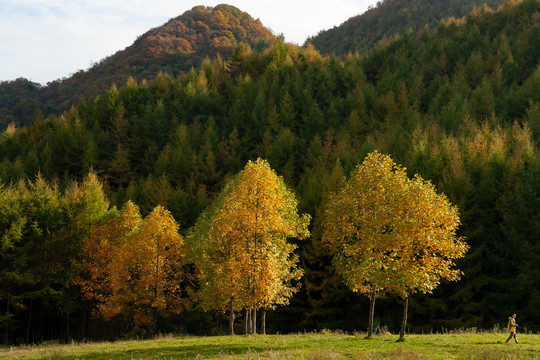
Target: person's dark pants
[{"x": 512, "y": 335}]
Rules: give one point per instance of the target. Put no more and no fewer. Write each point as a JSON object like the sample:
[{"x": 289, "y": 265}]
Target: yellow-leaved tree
[
  {"x": 133, "y": 266},
  {"x": 239, "y": 244},
  {"x": 391, "y": 234}
]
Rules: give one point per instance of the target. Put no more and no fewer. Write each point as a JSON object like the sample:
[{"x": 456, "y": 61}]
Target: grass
[{"x": 312, "y": 346}]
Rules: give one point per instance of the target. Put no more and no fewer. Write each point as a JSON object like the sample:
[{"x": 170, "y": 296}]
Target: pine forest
[{"x": 231, "y": 197}]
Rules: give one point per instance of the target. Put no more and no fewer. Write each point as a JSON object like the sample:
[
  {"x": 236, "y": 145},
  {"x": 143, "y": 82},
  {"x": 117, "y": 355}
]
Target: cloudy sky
[{"x": 44, "y": 40}]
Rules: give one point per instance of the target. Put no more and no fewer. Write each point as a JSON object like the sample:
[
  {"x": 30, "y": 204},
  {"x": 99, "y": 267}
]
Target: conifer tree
[{"x": 133, "y": 266}]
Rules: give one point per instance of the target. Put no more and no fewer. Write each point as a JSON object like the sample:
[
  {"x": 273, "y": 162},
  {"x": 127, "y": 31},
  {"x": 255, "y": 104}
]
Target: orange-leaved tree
[
  {"x": 134, "y": 266},
  {"x": 99, "y": 251},
  {"x": 391, "y": 234},
  {"x": 86, "y": 204},
  {"x": 240, "y": 246}
]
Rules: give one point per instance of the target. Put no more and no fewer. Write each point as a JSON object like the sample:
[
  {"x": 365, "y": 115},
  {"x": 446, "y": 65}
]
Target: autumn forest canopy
[{"x": 149, "y": 177}]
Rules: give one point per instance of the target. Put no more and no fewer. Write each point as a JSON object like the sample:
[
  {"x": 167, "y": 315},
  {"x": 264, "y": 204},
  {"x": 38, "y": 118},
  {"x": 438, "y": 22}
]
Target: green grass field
[{"x": 312, "y": 346}]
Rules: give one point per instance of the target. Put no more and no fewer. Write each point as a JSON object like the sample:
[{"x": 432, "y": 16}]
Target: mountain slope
[
  {"x": 391, "y": 17},
  {"x": 177, "y": 46}
]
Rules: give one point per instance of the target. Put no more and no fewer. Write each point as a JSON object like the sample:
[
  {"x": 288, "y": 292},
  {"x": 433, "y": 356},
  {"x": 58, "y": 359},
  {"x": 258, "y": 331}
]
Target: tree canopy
[
  {"x": 391, "y": 234},
  {"x": 133, "y": 267},
  {"x": 240, "y": 244}
]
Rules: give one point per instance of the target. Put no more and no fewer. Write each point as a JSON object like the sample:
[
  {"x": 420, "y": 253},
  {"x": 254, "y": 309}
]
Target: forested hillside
[
  {"x": 459, "y": 105},
  {"x": 392, "y": 18},
  {"x": 177, "y": 46}
]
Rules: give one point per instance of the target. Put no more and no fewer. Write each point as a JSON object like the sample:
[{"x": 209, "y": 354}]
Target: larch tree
[
  {"x": 391, "y": 234},
  {"x": 86, "y": 204},
  {"x": 134, "y": 266},
  {"x": 244, "y": 258},
  {"x": 159, "y": 261},
  {"x": 100, "y": 249},
  {"x": 33, "y": 270},
  {"x": 40, "y": 252}
]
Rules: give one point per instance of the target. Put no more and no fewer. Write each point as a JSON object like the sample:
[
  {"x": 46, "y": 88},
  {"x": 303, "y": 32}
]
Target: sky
[{"x": 45, "y": 40}]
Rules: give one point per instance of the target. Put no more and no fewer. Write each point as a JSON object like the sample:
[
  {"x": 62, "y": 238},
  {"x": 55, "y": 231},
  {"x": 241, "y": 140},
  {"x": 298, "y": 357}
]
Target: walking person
[{"x": 512, "y": 328}]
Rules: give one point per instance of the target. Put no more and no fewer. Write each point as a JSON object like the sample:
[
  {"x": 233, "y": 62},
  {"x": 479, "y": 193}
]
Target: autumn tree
[
  {"x": 86, "y": 204},
  {"x": 244, "y": 256},
  {"x": 442, "y": 102},
  {"x": 134, "y": 266},
  {"x": 100, "y": 251},
  {"x": 152, "y": 259},
  {"x": 432, "y": 244},
  {"x": 391, "y": 234},
  {"x": 214, "y": 259}
]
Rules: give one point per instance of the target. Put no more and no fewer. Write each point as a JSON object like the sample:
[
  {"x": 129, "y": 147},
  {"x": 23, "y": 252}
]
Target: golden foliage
[
  {"x": 133, "y": 266},
  {"x": 240, "y": 245},
  {"x": 389, "y": 233}
]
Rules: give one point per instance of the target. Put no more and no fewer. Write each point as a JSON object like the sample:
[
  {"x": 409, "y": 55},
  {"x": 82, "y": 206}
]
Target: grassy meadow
[{"x": 310, "y": 346}]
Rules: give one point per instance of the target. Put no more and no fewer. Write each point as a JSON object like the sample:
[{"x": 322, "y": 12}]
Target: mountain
[
  {"x": 175, "y": 47},
  {"x": 389, "y": 18},
  {"x": 458, "y": 105}
]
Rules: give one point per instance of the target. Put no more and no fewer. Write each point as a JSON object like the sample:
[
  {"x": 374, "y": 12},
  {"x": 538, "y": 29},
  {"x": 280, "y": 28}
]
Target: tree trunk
[
  {"x": 263, "y": 321},
  {"x": 6, "y": 338},
  {"x": 154, "y": 321},
  {"x": 29, "y": 325},
  {"x": 254, "y": 320},
  {"x": 404, "y": 320},
  {"x": 68, "y": 330},
  {"x": 371, "y": 311},
  {"x": 85, "y": 319},
  {"x": 246, "y": 322},
  {"x": 40, "y": 327},
  {"x": 231, "y": 317}
]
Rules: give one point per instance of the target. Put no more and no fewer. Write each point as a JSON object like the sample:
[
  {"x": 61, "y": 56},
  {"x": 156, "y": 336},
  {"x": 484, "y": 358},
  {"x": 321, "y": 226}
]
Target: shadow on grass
[
  {"x": 168, "y": 352},
  {"x": 488, "y": 343}
]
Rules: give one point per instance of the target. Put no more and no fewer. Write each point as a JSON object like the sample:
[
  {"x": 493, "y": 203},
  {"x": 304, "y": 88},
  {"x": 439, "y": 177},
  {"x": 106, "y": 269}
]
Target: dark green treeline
[
  {"x": 390, "y": 18},
  {"x": 459, "y": 105}
]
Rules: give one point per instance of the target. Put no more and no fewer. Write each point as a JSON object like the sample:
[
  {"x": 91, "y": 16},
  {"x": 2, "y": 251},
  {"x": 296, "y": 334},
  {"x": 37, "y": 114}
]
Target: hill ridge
[
  {"x": 176, "y": 46},
  {"x": 389, "y": 18}
]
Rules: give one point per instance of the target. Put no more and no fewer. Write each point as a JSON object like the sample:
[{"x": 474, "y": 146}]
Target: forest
[
  {"x": 458, "y": 104},
  {"x": 391, "y": 18}
]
